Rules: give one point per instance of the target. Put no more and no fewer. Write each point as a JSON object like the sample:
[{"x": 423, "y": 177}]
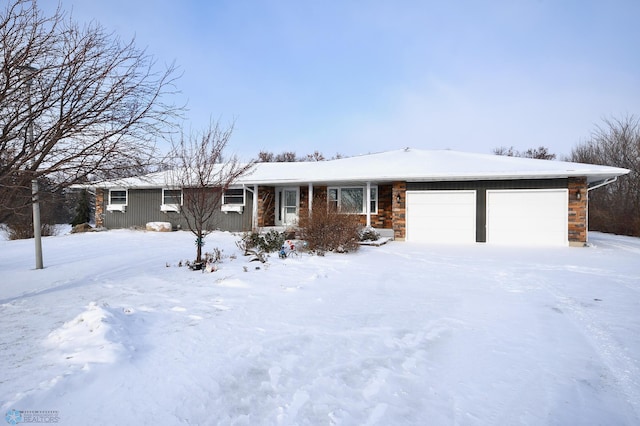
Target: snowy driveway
[{"x": 399, "y": 334}]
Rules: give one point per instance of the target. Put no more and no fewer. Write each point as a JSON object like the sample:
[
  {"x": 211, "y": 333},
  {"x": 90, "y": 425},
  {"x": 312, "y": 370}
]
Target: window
[
  {"x": 234, "y": 196},
  {"x": 172, "y": 196},
  {"x": 233, "y": 200},
  {"x": 373, "y": 200},
  {"x": 352, "y": 199},
  {"x": 118, "y": 196},
  {"x": 171, "y": 200},
  {"x": 117, "y": 200},
  {"x": 333, "y": 198}
]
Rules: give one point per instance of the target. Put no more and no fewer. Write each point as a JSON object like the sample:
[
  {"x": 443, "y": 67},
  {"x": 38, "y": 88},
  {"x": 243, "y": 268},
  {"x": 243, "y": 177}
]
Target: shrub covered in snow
[
  {"x": 369, "y": 234},
  {"x": 22, "y": 230},
  {"x": 268, "y": 242}
]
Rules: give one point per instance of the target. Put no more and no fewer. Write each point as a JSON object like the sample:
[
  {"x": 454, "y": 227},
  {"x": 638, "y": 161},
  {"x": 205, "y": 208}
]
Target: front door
[{"x": 287, "y": 206}]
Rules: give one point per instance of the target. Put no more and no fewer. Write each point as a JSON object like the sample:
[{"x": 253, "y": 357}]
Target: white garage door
[
  {"x": 527, "y": 217},
  {"x": 441, "y": 216}
]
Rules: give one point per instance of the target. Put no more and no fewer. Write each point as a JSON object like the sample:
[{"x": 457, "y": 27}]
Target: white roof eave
[{"x": 402, "y": 165}]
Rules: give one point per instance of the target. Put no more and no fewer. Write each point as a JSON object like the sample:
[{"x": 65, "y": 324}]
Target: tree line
[
  {"x": 291, "y": 156},
  {"x": 613, "y": 208}
]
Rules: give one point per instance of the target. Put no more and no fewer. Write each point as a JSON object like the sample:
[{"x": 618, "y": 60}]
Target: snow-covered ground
[{"x": 399, "y": 334}]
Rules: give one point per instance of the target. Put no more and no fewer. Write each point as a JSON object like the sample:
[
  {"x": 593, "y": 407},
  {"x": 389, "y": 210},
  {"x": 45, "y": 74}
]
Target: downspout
[{"x": 603, "y": 183}]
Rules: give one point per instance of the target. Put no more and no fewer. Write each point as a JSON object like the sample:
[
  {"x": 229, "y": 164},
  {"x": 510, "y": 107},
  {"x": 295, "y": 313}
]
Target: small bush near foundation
[
  {"x": 326, "y": 229},
  {"x": 369, "y": 234}
]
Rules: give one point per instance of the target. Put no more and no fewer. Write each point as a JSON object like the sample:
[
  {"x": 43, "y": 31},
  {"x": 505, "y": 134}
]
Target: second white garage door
[
  {"x": 527, "y": 216},
  {"x": 441, "y": 216}
]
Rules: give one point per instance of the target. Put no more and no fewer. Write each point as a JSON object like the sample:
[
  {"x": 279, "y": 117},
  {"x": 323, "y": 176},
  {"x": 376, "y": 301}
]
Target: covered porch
[{"x": 379, "y": 205}]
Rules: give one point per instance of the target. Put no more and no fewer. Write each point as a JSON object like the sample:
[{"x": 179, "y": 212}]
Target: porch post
[
  {"x": 368, "y": 204},
  {"x": 310, "y": 197},
  {"x": 254, "y": 208}
]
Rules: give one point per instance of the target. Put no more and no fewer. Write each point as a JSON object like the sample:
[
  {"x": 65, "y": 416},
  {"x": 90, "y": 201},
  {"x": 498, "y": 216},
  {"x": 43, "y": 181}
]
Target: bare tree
[
  {"x": 290, "y": 157},
  {"x": 201, "y": 171},
  {"x": 265, "y": 157},
  {"x": 286, "y": 157},
  {"x": 616, "y": 207},
  {"x": 76, "y": 102},
  {"x": 316, "y": 156},
  {"x": 541, "y": 153},
  {"x": 507, "y": 152}
]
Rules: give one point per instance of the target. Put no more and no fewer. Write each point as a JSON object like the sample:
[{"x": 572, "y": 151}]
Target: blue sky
[{"x": 354, "y": 77}]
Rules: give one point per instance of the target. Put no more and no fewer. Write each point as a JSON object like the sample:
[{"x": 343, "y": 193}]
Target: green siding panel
[{"x": 144, "y": 206}]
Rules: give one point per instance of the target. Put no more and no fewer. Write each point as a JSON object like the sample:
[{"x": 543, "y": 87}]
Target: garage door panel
[
  {"x": 527, "y": 217},
  {"x": 441, "y": 216}
]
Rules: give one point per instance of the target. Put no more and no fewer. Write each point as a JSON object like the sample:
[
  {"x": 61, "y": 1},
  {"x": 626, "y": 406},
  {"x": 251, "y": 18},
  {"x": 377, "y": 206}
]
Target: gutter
[{"x": 603, "y": 183}]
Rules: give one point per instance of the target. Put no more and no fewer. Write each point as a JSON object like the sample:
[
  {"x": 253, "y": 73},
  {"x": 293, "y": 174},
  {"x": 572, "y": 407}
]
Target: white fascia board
[{"x": 403, "y": 165}]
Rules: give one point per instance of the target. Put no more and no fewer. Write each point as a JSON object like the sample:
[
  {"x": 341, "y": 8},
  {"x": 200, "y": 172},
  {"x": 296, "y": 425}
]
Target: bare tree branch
[
  {"x": 540, "y": 153},
  {"x": 96, "y": 104},
  {"x": 203, "y": 174}
]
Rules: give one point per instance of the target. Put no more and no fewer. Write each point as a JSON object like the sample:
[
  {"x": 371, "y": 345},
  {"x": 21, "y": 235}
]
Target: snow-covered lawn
[{"x": 398, "y": 334}]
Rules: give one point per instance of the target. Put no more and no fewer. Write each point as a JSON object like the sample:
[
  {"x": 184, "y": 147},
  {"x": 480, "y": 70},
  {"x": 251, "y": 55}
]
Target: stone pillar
[
  {"x": 399, "y": 210},
  {"x": 99, "y": 212},
  {"x": 266, "y": 197},
  {"x": 578, "y": 204}
]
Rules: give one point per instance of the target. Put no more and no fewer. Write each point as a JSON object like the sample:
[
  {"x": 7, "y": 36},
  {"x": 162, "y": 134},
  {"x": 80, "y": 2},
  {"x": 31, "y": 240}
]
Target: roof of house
[{"x": 411, "y": 165}]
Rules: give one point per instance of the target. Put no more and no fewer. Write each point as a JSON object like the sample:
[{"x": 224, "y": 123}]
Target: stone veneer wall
[
  {"x": 99, "y": 213},
  {"x": 266, "y": 200},
  {"x": 399, "y": 189},
  {"x": 319, "y": 196},
  {"x": 303, "y": 206},
  {"x": 383, "y": 218},
  {"x": 578, "y": 221}
]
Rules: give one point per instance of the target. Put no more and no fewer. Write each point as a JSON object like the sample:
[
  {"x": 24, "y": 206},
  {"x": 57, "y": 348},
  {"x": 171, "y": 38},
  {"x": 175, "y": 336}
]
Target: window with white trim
[
  {"x": 171, "y": 200},
  {"x": 373, "y": 200},
  {"x": 234, "y": 196},
  {"x": 352, "y": 199},
  {"x": 118, "y": 196},
  {"x": 117, "y": 201},
  {"x": 172, "y": 196}
]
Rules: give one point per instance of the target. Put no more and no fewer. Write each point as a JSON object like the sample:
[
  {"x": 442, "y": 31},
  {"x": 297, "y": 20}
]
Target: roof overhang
[{"x": 407, "y": 165}]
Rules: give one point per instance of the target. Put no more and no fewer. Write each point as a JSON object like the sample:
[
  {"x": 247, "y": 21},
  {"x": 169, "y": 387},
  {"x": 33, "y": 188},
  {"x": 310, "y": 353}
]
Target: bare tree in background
[
  {"x": 76, "y": 102},
  {"x": 316, "y": 156},
  {"x": 540, "y": 153},
  {"x": 286, "y": 157},
  {"x": 203, "y": 174},
  {"x": 290, "y": 157},
  {"x": 265, "y": 157},
  {"x": 615, "y": 207}
]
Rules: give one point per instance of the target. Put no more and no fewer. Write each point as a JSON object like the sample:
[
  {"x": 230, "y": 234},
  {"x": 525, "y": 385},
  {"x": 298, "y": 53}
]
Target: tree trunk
[{"x": 199, "y": 244}]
